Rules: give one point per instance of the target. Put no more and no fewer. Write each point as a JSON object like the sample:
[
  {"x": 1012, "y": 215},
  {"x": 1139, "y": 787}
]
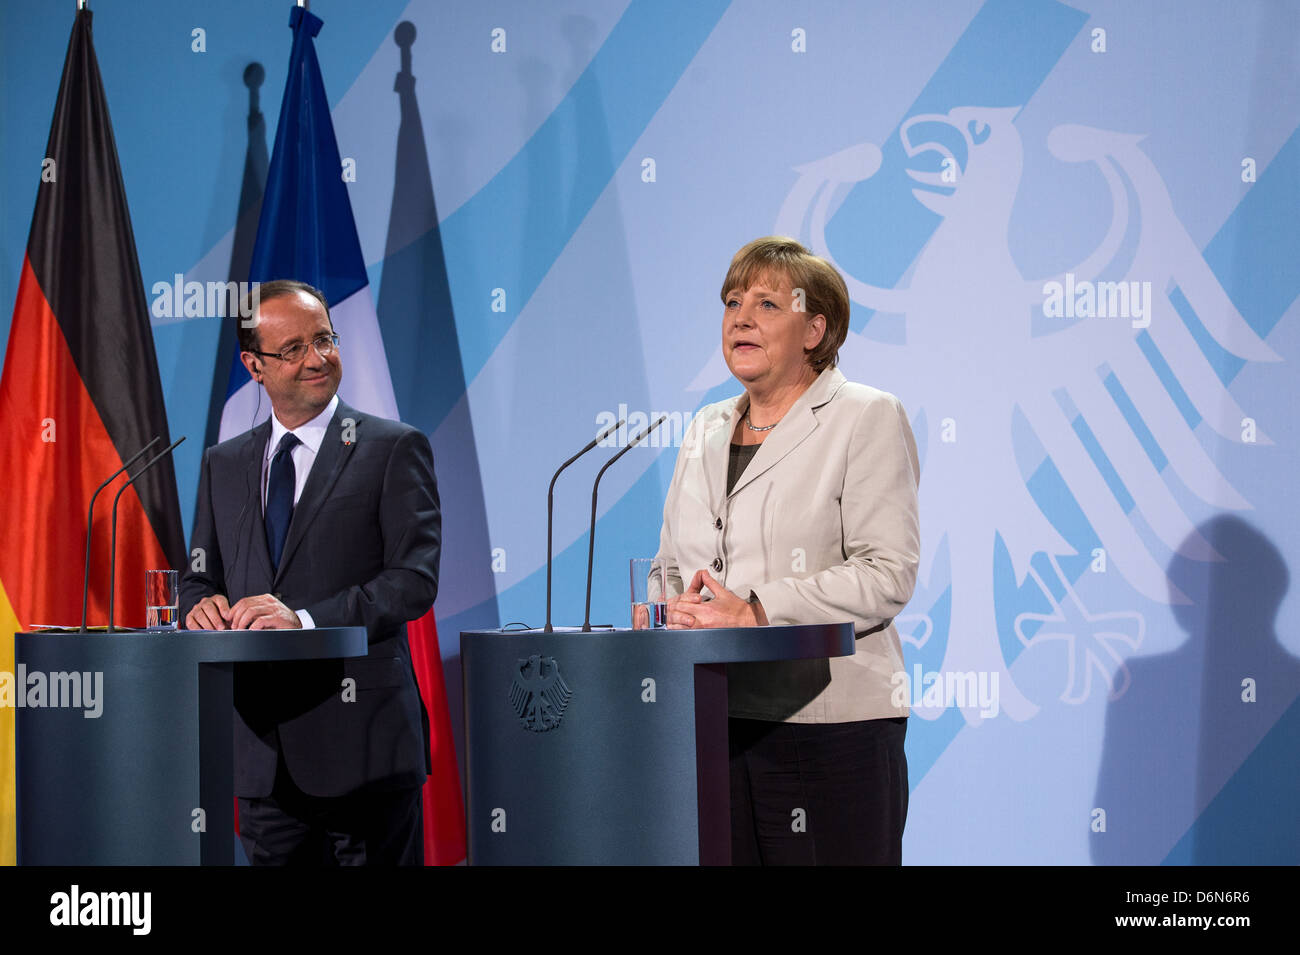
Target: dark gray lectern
[
  {"x": 608, "y": 747},
  {"x": 125, "y": 787}
]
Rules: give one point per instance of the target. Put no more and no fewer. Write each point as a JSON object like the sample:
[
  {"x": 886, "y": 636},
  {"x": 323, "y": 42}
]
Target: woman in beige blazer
[{"x": 795, "y": 503}]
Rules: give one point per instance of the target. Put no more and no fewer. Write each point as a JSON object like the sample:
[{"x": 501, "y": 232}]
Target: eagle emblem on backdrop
[
  {"x": 1118, "y": 404},
  {"x": 538, "y": 693}
]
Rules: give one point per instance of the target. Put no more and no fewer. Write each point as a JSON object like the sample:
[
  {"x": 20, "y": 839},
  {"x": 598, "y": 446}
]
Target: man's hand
[
  {"x": 691, "y": 611},
  {"x": 262, "y": 612},
  {"x": 210, "y": 613}
]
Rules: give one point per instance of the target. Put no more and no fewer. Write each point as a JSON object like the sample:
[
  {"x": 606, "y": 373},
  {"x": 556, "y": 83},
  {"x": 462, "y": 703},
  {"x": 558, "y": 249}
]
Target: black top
[{"x": 741, "y": 455}]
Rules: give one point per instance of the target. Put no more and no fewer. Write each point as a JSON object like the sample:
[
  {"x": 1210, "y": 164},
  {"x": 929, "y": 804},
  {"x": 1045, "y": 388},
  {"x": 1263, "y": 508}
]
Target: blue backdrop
[{"x": 1070, "y": 235}]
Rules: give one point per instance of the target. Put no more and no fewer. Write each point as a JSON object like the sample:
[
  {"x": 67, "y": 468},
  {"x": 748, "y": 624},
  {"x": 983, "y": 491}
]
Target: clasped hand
[
  {"x": 262, "y": 612},
  {"x": 691, "y": 611}
]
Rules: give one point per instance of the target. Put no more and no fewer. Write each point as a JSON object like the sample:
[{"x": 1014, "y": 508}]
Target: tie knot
[{"x": 287, "y": 443}]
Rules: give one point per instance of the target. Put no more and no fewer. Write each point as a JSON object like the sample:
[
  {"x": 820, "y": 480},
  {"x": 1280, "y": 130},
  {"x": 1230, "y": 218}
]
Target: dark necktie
[{"x": 279, "y": 498}]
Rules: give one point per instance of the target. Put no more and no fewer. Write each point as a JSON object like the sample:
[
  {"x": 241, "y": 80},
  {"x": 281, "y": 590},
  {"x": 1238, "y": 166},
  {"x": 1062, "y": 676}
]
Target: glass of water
[
  {"x": 649, "y": 594},
  {"x": 162, "y": 599}
]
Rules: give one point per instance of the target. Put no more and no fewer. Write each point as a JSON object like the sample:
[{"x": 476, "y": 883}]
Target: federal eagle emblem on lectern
[{"x": 539, "y": 694}]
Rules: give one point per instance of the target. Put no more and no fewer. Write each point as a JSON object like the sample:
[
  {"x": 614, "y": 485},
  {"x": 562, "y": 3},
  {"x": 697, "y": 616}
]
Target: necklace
[{"x": 750, "y": 425}]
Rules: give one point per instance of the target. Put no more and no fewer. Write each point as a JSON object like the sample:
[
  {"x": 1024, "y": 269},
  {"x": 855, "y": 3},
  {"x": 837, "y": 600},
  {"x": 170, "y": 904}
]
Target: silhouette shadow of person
[{"x": 1201, "y": 758}]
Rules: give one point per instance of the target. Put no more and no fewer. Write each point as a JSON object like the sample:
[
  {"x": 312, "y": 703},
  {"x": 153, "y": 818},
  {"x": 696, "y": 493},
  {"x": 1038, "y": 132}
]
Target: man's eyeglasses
[{"x": 324, "y": 346}]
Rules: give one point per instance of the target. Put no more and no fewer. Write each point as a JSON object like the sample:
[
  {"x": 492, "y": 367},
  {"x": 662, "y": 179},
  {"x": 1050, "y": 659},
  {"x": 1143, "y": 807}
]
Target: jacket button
[
  {"x": 717, "y": 524},
  {"x": 717, "y": 564}
]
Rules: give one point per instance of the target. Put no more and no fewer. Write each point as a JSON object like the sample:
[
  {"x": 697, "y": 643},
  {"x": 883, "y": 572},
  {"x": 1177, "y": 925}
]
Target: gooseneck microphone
[
  {"x": 90, "y": 524},
  {"x": 591, "y": 536},
  {"x": 112, "y": 556},
  {"x": 550, "y": 510}
]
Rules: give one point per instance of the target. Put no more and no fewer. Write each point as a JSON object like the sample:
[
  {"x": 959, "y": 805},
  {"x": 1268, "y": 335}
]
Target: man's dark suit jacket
[{"x": 362, "y": 550}]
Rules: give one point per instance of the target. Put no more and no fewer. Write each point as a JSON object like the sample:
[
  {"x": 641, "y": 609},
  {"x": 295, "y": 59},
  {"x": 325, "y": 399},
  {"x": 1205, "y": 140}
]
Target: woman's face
[{"x": 765, "y": 331}]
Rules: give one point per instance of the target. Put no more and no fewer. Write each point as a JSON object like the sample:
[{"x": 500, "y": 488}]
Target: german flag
[{"x": 79, "y": 395}]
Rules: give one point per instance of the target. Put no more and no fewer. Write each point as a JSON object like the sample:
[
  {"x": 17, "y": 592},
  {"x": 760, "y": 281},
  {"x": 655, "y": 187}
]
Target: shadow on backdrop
[
  {"x": 256, "y": 161},
  {"x": 572, "y": 189},
  {"x": 419, "y": 331},
  {"x": 1191, "y": 739},
  {"x": 249, "y": 210}
]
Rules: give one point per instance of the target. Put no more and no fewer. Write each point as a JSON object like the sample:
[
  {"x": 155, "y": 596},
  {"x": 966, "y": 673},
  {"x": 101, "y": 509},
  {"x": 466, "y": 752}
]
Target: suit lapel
[
  {"x": 716, "y": 448},
  {"x": 330, "y": 459},
  {"x": 798, "y": 423},
  {"x": 252, "y": 456}
]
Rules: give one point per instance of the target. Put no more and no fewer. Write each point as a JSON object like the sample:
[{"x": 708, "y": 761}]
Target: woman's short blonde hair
[{"x": 824, "y": 291}]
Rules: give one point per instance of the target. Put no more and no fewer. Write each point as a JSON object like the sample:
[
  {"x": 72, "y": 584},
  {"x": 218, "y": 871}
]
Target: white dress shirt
[{"x": 310, "y": 436}]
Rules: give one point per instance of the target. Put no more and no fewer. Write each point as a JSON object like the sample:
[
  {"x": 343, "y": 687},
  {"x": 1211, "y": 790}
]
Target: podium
[
  {"x": 609, "y": 747},
  {"x": 149, "y": 780}
]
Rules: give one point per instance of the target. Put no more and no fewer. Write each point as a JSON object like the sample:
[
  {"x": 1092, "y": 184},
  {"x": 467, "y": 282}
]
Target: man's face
[{"x": 299, "y": 390}]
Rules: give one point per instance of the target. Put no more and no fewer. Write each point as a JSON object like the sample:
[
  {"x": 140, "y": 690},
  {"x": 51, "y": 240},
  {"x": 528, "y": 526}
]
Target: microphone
[
  {"x": 591, "y": 536},
  {"x": 550, "y": 511},
  {"x": 90, "y": 524},
  {"x": 112, "y": 555}
]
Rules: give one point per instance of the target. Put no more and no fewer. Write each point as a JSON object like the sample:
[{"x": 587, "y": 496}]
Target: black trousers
[
  {"x": 818, "y": 793},
  {"x": 383, "y": 827}
]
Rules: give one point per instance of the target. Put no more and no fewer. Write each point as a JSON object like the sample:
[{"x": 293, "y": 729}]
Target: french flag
[{"x": 307, "y": 232}]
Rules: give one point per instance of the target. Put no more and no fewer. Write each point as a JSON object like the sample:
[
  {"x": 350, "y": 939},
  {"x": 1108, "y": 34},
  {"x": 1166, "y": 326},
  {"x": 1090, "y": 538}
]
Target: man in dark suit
[{"x": 320, "y": 517}]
